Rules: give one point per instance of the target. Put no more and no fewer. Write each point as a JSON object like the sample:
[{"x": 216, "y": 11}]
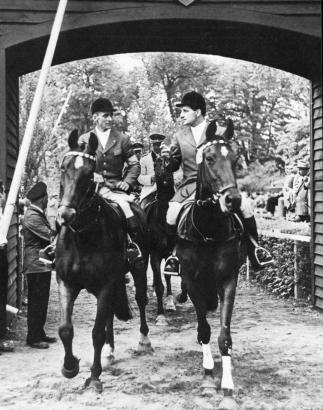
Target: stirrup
[
  {"x": 172, "y": 270},
  {"x": 132, "y": 246},
  {"x": 263, "y": 257}
]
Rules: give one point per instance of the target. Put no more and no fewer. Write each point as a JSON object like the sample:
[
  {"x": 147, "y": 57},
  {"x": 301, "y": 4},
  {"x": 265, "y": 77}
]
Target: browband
[
  {"x": 202, "y": 148},
  {"x": 79, "y": 154}
]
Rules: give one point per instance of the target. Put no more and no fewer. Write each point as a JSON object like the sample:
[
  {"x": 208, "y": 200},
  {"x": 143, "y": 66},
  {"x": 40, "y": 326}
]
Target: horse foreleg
[
  {"x": 159, "y": 288},
  {"x": 227, "y": 296},
  {"x": 103, "y": 312},
  {"x": 67, "y": 297},
  {"x": 182, "y": 297},
  {"x": 203, "y": 338},
  {"x": 140, "y": 281}
]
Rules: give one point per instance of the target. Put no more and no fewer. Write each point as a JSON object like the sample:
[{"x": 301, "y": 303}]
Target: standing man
[
  {"x": 114, "y": 152},
  {"x": 37, "y": 234},
  {"x": 137, "y": 149},
  {"x": 301, "y": 185},
  {"x": 183, "y": 152}
]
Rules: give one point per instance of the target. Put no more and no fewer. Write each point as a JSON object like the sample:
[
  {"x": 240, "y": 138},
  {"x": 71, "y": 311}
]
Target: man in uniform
[
  {"x": 183, "y": 152},
  {"x": 137, "y": 149},
  {"x": 37, "y": 234}
]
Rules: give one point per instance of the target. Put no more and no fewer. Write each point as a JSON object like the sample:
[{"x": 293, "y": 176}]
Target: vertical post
[
  {"x": 23, "y": 153},
  {"x": 296, "y": 271}
]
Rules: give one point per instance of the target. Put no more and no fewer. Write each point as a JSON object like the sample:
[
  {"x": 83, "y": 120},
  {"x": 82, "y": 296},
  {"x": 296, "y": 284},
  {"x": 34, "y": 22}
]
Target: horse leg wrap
[
  {"x": 227, "y": 381},
  {"x": 208, "y": 362}
]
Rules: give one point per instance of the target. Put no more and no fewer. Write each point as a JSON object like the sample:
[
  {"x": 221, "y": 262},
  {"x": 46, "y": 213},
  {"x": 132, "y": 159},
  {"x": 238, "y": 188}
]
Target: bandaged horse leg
[{"x": 227, "y": 295}]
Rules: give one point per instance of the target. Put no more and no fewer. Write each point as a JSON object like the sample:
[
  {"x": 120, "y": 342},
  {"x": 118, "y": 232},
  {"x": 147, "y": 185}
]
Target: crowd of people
[{"x": 124, "y": 172}]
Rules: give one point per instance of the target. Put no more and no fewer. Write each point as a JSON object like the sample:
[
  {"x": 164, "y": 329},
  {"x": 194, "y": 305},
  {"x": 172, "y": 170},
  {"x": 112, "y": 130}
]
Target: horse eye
[{"x": 209, "y": 158}]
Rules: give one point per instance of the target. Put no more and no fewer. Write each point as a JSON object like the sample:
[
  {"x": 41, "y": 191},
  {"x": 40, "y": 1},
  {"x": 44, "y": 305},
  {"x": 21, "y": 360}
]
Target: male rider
[
  {"x": 114, "y": 154},
  {"x": 183, "y": 152}
]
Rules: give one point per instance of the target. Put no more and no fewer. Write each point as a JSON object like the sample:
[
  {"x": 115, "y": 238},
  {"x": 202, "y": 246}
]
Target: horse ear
[
  {"x": 93, "y": 144},
  {"x": 73, "y": 139},
  {"x": 228, "y": 133},
  {"x": 210, "y": 132}
]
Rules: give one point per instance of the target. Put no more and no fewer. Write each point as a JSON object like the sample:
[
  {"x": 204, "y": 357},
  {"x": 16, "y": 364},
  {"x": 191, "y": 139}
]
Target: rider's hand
[
  {"x": 165, "y": 151},
  {"x": 153, "y": 179},
  {"x": 123, "y": 186},
  {"x": 98, "y": 178}
]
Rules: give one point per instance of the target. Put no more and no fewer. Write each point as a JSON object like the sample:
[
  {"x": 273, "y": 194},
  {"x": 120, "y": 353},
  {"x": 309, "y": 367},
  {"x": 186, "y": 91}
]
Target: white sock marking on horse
[
  {"x": 107, "y": 350},
  {"x": 227, "y": 381},
  {"x": 208, "y": 362}
]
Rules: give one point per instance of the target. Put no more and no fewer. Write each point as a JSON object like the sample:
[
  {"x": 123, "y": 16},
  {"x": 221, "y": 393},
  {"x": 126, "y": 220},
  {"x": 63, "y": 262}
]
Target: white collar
[{"x": 103, "y": 136}]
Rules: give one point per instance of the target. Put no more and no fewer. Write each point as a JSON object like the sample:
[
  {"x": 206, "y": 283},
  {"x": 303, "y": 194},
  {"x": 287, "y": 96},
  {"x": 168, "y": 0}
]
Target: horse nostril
[
  {"x": 228, "y": 199},
  {"x": 66, "y": 213}
]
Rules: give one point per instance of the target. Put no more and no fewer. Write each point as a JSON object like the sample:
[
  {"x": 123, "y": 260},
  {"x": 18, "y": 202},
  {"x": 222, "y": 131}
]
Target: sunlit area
[{"x": 270, "y": 110}]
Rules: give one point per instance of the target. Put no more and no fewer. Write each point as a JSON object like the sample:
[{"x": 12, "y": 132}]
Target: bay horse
[
  {"x": 211, "y": 252},
  {"x": 91, "y": 255},
  {"x": 159, "y": 249}
]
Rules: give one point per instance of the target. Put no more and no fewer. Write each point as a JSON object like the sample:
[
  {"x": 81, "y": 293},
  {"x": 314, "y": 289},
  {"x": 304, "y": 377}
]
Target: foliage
[{"x": 269, "y": 107}]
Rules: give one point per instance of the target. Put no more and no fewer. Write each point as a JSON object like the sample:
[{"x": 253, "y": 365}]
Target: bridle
[
  {"x": 90, "y": 202},
  {"x": 199, "y": 159}
]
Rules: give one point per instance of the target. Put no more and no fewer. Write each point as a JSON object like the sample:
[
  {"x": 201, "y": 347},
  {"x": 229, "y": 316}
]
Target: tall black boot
[
  {"x": 133, "y": 250},
  {"x": 172, "y": 266},
  {"x": 259, "y": 257}
]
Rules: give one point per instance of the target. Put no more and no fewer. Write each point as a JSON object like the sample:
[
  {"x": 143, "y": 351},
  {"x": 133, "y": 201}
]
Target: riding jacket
[
  {"x": 183, "y": 153},
  {"x": 112, "y": 158}
]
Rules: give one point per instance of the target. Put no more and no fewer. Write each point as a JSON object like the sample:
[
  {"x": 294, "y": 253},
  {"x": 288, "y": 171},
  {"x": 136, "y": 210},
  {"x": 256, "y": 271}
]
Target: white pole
[{"x": 23, "y": 152}]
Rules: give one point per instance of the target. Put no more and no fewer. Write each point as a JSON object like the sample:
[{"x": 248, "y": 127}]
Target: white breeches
[
  {"x": 175, "y": 207},
  {"x": 121, "y": 198}
]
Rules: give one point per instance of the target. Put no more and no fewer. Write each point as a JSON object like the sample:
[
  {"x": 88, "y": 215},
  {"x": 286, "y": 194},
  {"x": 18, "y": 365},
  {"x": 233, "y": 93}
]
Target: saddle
[{"x": 188, "y": 226}]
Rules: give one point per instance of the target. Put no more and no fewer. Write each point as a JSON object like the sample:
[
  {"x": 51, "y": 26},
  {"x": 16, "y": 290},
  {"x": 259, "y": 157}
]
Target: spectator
[
  {"x": 300, "y": 196},
  {"x": 52, "y": 210},
  {"x": 288, "y": 189},
  {"x": 37, "y": 234}
]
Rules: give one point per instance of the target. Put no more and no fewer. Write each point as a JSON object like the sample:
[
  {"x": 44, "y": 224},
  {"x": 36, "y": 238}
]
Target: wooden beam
[{"x": 3, "y": 100}]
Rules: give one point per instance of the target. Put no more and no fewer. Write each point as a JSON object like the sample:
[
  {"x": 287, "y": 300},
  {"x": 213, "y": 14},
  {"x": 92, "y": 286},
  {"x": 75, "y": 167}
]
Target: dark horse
[
  {"x": 91, "y": 254},
  {"x": 159, "y": 248},
  {"x": 210, "y": 249}
]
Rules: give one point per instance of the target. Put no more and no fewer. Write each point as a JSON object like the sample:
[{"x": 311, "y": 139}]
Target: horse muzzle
[
  {"x": 230, "y": 201},
  {"x": 65, "y": 215}
]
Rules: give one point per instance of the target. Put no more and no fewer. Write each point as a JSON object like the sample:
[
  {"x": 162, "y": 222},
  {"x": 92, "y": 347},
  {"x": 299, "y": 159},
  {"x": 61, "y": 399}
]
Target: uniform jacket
[
  {"x": 183, "y": 153},
  {"x": 37, "y": 233},
  {"x": 112, "y": 158},
  {"x": 146, "y": 172}
]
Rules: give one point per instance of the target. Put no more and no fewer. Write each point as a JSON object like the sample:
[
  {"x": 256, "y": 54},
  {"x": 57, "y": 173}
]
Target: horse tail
[{"x": 121, "y": 305}]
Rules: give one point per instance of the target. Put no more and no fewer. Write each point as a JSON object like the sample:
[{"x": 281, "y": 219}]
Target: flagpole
[{"x": 25, "y": 145}]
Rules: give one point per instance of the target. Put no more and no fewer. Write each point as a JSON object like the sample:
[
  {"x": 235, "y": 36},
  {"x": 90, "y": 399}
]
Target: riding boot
[
  {"x": 133, "y": 250},
  {"x": 172, "y": 266},
  {"x": 259, "y": 257}
]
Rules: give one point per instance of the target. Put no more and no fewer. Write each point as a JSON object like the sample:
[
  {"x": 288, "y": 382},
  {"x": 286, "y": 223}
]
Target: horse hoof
[
  {"x": 94, "y": 384},
  {"x": 228, "y": 403},
  {"x": 180, "y": 298},
  {"x": 161, "y": 320},
  {"x": 170, "y": 305},
  {"x": 70, "y": 373},
  {"x": 145, "y": 348}
]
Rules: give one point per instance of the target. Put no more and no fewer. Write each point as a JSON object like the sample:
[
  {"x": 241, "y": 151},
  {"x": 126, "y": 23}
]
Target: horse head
[
  {"x": 216, "y": 161},
  {"x": 164, "y": 177},
  {"x": 77, "y": 170}
]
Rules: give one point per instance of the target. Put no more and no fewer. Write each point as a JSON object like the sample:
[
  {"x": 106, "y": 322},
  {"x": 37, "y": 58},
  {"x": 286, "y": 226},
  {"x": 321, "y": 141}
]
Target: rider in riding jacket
[
  {"x": 182, "y": 152},
  {"x": 113, "y": 153}
]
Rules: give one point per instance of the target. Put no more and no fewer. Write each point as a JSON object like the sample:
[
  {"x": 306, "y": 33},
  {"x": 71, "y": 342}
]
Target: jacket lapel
[
  {"x": 111, "y": 141},
  {"x": 189, "y": 138}
]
